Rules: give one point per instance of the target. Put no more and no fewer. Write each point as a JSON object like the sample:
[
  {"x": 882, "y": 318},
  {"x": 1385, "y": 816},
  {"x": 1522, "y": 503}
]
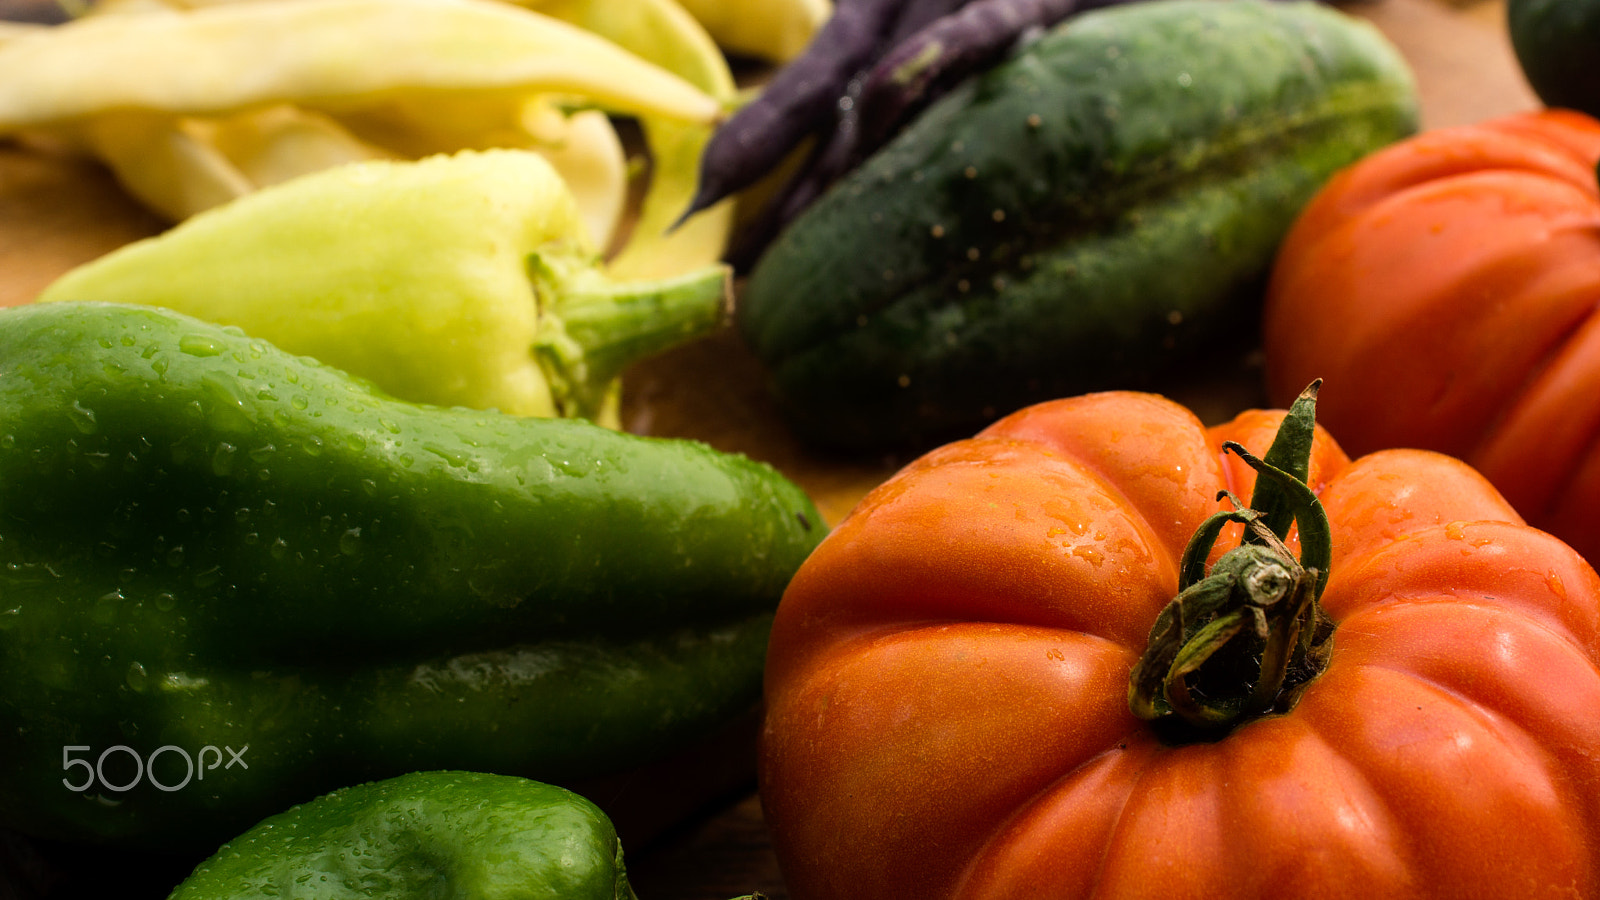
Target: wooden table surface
[{"x": 56, "y": 213}]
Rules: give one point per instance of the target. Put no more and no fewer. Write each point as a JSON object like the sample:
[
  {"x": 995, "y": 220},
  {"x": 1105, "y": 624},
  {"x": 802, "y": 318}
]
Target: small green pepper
[
  {"x": 426, "y": 834},
  {"x": 232, "y": 579}
]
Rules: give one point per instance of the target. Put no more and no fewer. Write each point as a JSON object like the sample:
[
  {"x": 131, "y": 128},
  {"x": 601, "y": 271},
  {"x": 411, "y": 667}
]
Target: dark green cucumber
[
  {"x": 1089, "y": 214},
  {"x": 1557, "y": 43},
  {"x": 208, "y": 543}
]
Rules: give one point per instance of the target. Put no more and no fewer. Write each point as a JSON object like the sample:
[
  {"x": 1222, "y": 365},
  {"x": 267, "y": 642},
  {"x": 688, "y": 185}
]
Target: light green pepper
[{"x": 463, "y": 280}]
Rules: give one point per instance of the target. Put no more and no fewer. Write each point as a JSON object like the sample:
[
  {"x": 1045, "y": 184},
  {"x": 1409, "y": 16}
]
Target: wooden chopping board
[{"x": 56, "y": 213}]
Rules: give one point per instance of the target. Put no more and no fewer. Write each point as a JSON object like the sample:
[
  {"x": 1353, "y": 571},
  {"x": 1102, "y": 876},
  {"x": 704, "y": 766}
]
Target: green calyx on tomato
[{"x": 1245, "y": 639}]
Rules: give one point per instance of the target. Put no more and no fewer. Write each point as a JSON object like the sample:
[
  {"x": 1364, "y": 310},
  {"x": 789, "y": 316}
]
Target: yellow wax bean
[
  {"x": 329, "y": 54},
  {"x": 776, "y": 30}
]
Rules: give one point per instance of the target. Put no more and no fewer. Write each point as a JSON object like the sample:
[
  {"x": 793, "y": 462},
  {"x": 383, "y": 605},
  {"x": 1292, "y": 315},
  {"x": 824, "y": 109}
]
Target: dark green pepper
[
  {"x": 427, "y": 834},
  {"x": 208, "y": 545}
]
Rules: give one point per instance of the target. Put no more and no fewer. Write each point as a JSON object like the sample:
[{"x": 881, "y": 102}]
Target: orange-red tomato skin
[
  {"x": 947, "y": 713},
  {"x": 1447, "y": 290}
]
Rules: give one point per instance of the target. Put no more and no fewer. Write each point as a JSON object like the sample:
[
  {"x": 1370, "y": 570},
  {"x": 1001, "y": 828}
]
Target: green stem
[
  {"x": 1275, "y": 659},
  {"x": 1243, "y": 640},
  {"x": 1291, "y": 453},
  {"x": 592, "y": 328}
]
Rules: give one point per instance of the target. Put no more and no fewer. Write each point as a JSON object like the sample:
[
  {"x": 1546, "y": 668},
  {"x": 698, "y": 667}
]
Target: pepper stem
[
  {"x": 1244, "y": 640},
  {"x": 592, "y": 328}
]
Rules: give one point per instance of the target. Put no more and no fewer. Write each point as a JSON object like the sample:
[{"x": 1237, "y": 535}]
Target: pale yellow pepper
[{"x": 462, "y": 280}]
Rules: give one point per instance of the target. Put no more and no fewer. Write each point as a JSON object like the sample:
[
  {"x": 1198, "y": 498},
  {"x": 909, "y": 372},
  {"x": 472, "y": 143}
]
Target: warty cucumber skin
[
  {"x": 207, "y": 542},
  {"x": 1091, "y": 214}
]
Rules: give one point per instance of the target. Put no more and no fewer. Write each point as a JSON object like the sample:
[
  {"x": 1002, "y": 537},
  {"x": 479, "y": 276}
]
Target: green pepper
[
  {"x": 456, "y": 280},
  {"x": 232, "y": 579},
  {"x": 427, "y": 834}
]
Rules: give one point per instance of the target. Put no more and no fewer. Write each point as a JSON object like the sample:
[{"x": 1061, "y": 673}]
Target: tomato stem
[{"x": 1243, "y": 640}]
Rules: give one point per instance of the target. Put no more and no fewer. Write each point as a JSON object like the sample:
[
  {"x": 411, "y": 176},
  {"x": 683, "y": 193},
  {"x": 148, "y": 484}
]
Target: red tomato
[
  {"x": 948, "y": 677},
  {"x": 1446, "y": 290}
]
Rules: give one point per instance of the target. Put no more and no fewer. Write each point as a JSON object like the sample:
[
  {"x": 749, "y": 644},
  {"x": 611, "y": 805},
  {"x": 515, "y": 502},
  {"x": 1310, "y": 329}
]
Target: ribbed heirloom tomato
[
  {"x": 1447, "y": 288},
  {"x": 948, "y": 681}
]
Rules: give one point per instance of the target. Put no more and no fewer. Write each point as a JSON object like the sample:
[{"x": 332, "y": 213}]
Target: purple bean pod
[
  {"x": 918, "y": 15},
  {"x": 798, "y": 101},
  {"x": 930, "y": 62},
  {"x": 948, "y": 40}
]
